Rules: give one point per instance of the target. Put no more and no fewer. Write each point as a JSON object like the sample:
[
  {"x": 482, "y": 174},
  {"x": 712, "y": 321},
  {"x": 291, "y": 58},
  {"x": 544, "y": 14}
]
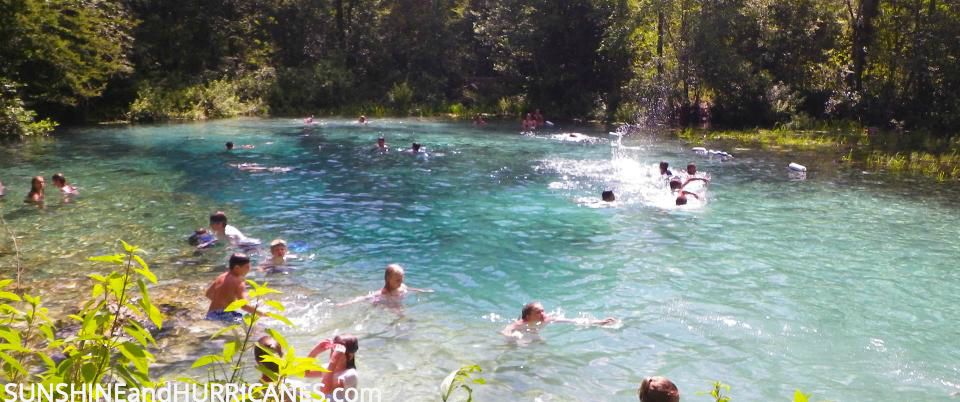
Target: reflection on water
[{"x": 833, "y": 284}]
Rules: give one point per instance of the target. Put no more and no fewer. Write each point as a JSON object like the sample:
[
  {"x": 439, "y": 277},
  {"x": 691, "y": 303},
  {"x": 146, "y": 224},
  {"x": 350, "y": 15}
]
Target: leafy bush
[
  {"x": 401, "y": 97},
  {"x": 214, "y": 99},
  {"x": 16, "y": 120}
]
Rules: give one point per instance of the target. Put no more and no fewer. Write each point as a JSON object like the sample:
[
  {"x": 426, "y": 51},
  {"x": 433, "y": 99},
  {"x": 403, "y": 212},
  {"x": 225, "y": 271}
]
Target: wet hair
[
  {"x": 238, "y": 259},
  {"x": 664, "y": 165},
  {"x": 34, "y": 183},
  {"x": 229, "y": 145},
  {"x": 528, "y": 309},
  {"x": 267, "y": 346},
  {"x": 682, "y": 200},
  {"x": 59, "y": 178},
  {"x": 658, "y": 389},
  {"x": 691, "y": 165},
  {"x": 392, "y": 269},
  {"x": 416, "y": 146},
  {"x": 608, "y": 196},
  {"x": 675, "y": 185},
  {"x": 351, "y": 344},
  {"x": 218, "y": 217}
]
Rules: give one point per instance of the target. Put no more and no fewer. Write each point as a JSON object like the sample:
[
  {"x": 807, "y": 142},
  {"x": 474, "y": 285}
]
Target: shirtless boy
[{"x": 229, "y": 287}]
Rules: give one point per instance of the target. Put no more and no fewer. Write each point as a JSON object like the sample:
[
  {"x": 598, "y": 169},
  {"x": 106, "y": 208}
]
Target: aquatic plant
[
  {"x": 461, "y": 378},
  {"x": 109, "y": 343}
]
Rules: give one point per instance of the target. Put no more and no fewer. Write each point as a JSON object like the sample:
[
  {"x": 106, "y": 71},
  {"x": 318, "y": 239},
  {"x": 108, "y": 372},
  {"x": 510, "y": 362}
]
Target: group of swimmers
[
  {"x": 38, "y": 186},
  {"x": 675, "y": 182},
  {"x": 533, "y": 121}
]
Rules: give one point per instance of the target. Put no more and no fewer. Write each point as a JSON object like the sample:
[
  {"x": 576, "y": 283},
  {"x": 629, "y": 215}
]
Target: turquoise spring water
[{"x": 842, "y": 285}]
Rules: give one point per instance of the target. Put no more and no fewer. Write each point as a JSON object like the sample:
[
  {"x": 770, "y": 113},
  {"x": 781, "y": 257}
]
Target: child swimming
[{"x": 393, "y": 289}]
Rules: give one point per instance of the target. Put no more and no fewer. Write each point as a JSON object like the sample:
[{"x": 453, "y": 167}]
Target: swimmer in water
[
  {"x": 608, "y": 196},
  {"x": 362, "y": 120},
  {"x": 682, "y": 197},
  {"x": 308, "y": 120},
  {"x": 664, "y": 169},
  {"x": 278, "y": 257},
  {"x": 382, "y": 145},
  {"x": 61, "y": 182},
  {"x": 36, "y": 190},
  {"x": 230, "y": 146},
  {"x": 533, "y": 317},
  {"x": 393, "y": 289}
]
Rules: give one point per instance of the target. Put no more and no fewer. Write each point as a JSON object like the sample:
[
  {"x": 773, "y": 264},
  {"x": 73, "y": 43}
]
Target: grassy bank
[{"x": 899, "y": 152}]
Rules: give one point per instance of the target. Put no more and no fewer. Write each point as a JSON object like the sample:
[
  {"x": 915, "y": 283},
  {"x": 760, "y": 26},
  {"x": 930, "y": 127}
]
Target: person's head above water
[
  {"x": 59, "y": 180},
  {"x": 675, "y": 184},
  {"x": 533, "y": 312},
  {"x": 416, "y": 147},
  {"x": 278, "y": 248},
  {"x": 682, "y": 199},
  {"x": 381, "y": 142},
  {"x": 229, "y": 145},
  {"x": 691, "y": 169},
  {"x": 664, "y": 168},
  {"x": 37, "y": 184},
  {"x": 393, "y": 277},
  {"x": 362, "y": 119},
  {"x": 267, "y": 346},
  {"x": 608, "y": 196},
  {"x": 239, "y": 260},
  {"x": 218, "y": 220},
  {"x": 658, "y": 389},
  {"x": 350, "y": 345}
]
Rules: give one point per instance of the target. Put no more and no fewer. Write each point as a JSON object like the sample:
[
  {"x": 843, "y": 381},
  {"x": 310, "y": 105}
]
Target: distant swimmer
[
  {"x": 230, "y": 146},
  {"x": 533, "y": 317},
  {"x": 36, "y": 190},
  {"x": 362, "y": 120},
  {"x": 308, "y": 120},
  {"x": 538, "y": 118},
  {"x": 415, "y": 147},
  {"x": 658, "y": 389},
  {"x": 478, "y": 120},
  {"x": 382, "y": 145},
  {"x": 393, "y": 290},
  {"x": 202, "y": 238},
  {"x": 682, "y": 194},
  {"x": 529, "y": 123},
  {"x": 608, "y": 196},
  {"x": 61, "y": 182}
]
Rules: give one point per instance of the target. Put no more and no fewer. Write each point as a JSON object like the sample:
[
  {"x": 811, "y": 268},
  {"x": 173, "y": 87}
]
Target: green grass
[{"x": 915, "y": 153}]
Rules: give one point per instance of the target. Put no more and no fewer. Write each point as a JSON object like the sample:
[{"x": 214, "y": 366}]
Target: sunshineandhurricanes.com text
[{"x": 182, "y": 392}]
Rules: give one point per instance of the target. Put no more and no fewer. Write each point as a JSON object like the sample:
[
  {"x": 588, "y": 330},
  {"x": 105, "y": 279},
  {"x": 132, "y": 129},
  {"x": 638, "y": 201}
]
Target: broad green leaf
[
  {"x": 281, "y": 340},
  {"x": 88, "y": 371},
  {"x": 147, "y": 274},
  {"x": 97, "y": 277},
  {"x": 229, "y": 350},
  {"x": 5, "y": 282},
  {"x": 47, "y": 331},
  {"x": 12, "y": 336},
  {"x": 137, "y": 355},
  {"x": 97, "y": 291},
  {"x": 13, "y": 363},
  {"x": 800, "y": 397},
  {"x": 156, "y": 317},
  {"x": 225, "y": 330},
  {"x": 136, "y": 334},
  {"x": 205, "y": 360},
  {"x": 236, "y": 305},
  {"x": 141, "y": 262},
  {"x": 128, "y": 248},
  {"x": 280, "y": 318},
  {"x": 276, "y": 305},
  {"x": 9, "y": 296},
  {"x": 116, "y": 258}
]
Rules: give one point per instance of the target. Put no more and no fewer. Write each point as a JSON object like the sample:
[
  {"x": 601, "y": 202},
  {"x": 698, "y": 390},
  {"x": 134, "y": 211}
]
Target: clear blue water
[{"x": 842, "y": 285}]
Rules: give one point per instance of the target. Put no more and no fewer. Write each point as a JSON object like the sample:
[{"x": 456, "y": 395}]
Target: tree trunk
[
  {"x": 862, "y": 38},
  {"x": 661, "y": 22}
]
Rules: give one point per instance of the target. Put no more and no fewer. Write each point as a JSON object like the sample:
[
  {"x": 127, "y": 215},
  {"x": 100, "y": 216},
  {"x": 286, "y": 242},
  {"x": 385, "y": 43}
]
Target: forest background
[{"x": 727, "y": 63}]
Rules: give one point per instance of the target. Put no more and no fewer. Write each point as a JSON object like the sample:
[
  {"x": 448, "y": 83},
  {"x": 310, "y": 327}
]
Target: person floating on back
[
  {"x": 658, "y": 389},
  {"x": 230, "y": 286},
  {"x": 393, "y": 289},
  {"x": 61, "y": 182},
  {"x": 533, "y": 317}
]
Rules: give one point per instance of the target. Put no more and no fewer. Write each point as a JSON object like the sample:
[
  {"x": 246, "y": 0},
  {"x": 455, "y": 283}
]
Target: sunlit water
[{"x": 843, "y": 285}]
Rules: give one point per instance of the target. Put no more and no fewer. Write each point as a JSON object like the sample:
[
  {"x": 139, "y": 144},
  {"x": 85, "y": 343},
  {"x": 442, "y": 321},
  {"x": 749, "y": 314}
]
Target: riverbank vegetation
[{"x": 732, "y": 63}]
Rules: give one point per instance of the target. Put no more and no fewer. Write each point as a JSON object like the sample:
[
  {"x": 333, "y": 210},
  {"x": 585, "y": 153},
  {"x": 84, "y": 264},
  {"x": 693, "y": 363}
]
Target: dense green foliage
[{"x": 729, "y": 62}]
